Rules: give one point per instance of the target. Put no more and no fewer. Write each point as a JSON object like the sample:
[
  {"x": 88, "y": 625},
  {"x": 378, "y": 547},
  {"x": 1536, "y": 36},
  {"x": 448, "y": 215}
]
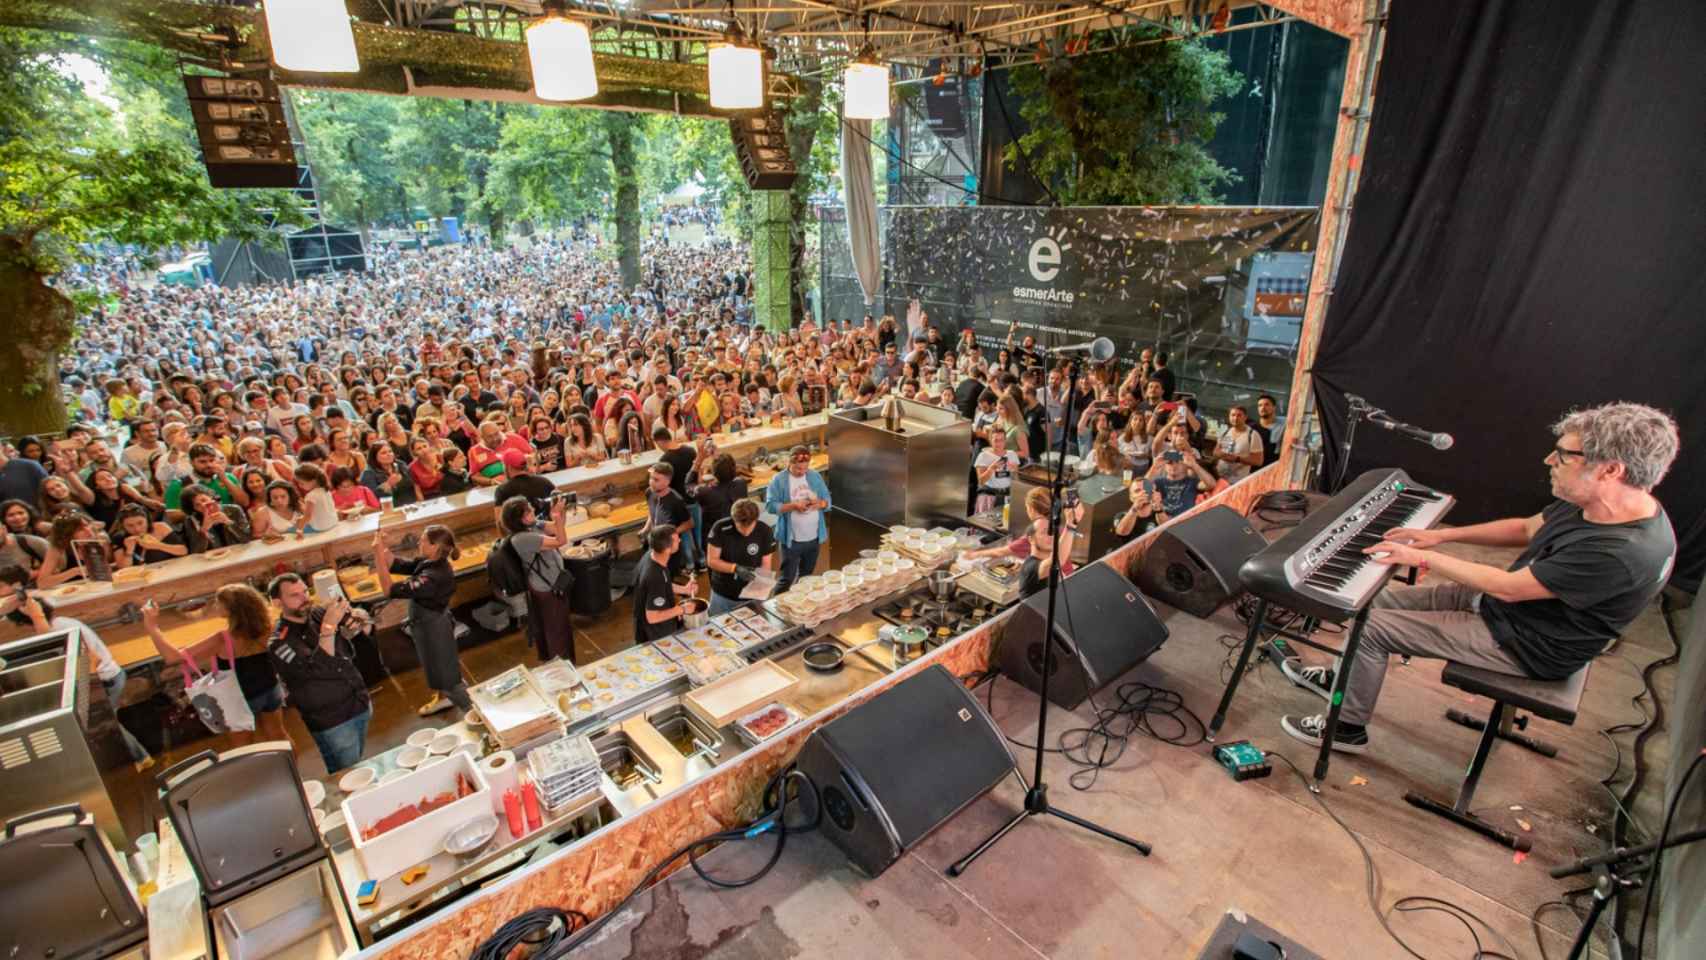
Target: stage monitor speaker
[
  {"x": 761, "y": 143},
  {"x": 1103, "y": 626},
  {"x": 1193, "y": 564},
  {"x": 894, "y": 768}
]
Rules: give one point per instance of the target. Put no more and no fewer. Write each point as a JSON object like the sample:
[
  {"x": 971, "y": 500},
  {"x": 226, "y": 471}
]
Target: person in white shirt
[
  {"x": 799, "y": 499},
  {"x": 995, "y": 468},
  {"x": 1239, "y": 448}
]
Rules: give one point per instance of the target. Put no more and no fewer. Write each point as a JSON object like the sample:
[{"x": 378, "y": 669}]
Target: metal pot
[
  {"x": 694, "y": 613},
  {"x": 941, "y": 584}
]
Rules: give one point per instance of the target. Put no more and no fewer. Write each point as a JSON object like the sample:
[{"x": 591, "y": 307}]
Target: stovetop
[{"x": 918, "y": 608}]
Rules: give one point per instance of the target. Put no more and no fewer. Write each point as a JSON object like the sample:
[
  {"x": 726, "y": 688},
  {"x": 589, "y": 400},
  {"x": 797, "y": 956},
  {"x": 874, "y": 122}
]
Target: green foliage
[
  {"x": 1130, "y": 126},
  {"x": 74, "y": 171}
]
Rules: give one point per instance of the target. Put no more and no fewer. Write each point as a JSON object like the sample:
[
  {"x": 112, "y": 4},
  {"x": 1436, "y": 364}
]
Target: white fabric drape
[{"x": 859, "y": 196}]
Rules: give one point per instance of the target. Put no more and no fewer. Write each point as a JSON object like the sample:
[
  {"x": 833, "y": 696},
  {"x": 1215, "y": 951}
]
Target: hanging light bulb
[
  {"x": 311, "y": 36},
  {"x": 736, "y": 72},
  {"x": 865, "y": 88},
  {"x": 559, "y": 50}
]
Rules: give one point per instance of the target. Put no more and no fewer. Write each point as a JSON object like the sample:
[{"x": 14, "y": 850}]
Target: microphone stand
[
  {"x": 1036, "y": 795},
  {"x": 1607, "y": 880}
]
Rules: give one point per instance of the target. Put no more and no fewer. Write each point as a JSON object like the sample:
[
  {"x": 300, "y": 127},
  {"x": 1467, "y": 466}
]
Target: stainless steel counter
[{"x": 914, "y": 474}]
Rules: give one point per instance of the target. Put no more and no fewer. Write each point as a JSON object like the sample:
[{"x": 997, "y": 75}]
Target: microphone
[
  {"x": 1101, "y": 349},
  {"x": 1439, "y": 441}
]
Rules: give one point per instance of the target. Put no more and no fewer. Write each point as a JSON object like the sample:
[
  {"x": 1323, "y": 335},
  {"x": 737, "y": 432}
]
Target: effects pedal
[{"x": 1242, "y": 760}]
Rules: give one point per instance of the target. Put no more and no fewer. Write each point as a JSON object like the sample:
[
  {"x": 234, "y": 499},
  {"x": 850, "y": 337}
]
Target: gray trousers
[{"x": 1440, "y": 622}]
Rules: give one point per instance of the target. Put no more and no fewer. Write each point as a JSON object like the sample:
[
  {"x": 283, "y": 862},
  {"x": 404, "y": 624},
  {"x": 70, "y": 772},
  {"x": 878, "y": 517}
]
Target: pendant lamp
[
  {"x": 311, "y": 36},
  {"x": 559, "y": 50}
]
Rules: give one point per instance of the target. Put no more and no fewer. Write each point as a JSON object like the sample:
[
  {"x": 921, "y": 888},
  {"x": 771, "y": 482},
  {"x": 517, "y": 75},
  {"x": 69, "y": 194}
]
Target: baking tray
[{"x": 734, "y": 695}]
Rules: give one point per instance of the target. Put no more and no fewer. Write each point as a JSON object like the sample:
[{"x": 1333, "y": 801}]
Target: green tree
[
  {"x": 356, "y": 173},
  {"x": 1126, "y": 127},
  {"x": 71, "y": 176}
]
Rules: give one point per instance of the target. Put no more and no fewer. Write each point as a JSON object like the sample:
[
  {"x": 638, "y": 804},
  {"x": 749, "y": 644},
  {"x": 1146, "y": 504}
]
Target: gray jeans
[{"x": 1440, "y": 622}]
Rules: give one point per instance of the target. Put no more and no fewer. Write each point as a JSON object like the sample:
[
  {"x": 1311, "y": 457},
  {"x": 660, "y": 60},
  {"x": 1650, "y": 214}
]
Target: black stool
[{"x": 1555, "y": 700}]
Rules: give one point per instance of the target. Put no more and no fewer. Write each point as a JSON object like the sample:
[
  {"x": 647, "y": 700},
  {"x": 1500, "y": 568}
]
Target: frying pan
[{"x": 827, "y": 656}]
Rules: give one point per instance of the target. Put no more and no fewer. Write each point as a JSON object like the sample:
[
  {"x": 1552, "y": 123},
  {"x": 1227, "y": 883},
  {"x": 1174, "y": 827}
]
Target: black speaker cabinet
[
  {"x": 761, "y": 144},
  {"x": 1103, "y": 627},
  {"x": 1193, "y": 564},
  {"x": 894, "y": 768}
]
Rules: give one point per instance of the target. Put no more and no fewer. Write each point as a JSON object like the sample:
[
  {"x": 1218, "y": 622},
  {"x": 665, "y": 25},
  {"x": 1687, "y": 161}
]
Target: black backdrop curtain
[{"x": 1529, "y": 235}]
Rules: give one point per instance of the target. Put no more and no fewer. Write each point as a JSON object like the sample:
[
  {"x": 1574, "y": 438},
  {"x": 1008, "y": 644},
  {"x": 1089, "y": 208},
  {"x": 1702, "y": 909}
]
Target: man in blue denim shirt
[{"x": 799, "y": 499}]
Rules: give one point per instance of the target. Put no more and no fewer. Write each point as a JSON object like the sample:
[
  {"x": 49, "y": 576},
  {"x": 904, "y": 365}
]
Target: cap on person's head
[{"x": 514, "y": 459}]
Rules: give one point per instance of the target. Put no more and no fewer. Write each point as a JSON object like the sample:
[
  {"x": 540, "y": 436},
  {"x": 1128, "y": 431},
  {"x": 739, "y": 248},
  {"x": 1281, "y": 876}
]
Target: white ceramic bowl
[
  {"x": 443, "y": 744},
  {"x": 410, "y": 757},
  {"x": 888, "y": 555},
  {"x": 471, "y": 748},
  {"x": 422, "y": 737},
  {"x": 358, "y": 778},
  {"x": 315, "y": 791},
  {"x": 905, "y": 565},
  {"x": 818, "y": 597},
  {"x": 832, "y": 578},
  {"x": 394, "y": 776}
]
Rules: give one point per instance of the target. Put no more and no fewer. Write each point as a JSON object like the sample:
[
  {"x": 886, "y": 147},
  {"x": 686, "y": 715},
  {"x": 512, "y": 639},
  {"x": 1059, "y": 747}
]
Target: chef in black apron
[{"x": 428, "y": 589}]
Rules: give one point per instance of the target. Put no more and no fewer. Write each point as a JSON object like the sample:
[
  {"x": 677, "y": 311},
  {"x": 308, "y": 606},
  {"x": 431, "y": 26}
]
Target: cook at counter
[
  {"x": 737, "y": 547},
  {"x": 317, "y": 664},
  {"x": 657, "y": 599}
]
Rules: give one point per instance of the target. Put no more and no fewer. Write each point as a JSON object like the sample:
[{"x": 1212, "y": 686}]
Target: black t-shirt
[
  {"x": 680, "y": 459},
  {"x": 653, "y": 591},
  {"x": 747, "y": 551},
  {"x": 717, "y": 499},
  {"x": 529, "y": 485},
  {"x": 1602, "y": 575},
  {"x": 549, "y": 451}
]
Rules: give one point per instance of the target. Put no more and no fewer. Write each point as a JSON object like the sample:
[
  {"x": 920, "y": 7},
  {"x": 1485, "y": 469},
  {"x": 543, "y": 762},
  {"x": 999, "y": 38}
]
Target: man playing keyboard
[{"x": 1591, "y": 561}]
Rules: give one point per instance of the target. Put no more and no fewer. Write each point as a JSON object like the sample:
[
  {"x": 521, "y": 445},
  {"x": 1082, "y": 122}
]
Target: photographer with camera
[{"x": 313, "y": 653}]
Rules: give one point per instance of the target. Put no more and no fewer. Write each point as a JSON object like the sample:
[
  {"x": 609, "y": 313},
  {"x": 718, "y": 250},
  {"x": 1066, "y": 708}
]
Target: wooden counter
[{"x": 191, "y": 577}]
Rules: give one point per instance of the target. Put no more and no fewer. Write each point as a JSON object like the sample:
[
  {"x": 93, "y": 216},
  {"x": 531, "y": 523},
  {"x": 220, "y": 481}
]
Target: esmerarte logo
[{"x": 1044, "y": 262}]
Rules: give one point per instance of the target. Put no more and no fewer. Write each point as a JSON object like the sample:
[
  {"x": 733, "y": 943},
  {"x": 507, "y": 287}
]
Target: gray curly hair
[{"x": 1640, "y": 437}]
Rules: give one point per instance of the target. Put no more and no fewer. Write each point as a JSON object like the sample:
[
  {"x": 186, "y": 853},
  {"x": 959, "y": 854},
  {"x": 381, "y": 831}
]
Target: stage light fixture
[
  {"x": 311, "y": 36},
  {"x": 736, "y": 71},
  {"x": 865, "y": 88},
  {"x": 559, "y": 51}
]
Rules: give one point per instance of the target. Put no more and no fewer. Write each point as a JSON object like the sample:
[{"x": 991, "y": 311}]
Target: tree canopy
[{"x": 1129, "y": 126}]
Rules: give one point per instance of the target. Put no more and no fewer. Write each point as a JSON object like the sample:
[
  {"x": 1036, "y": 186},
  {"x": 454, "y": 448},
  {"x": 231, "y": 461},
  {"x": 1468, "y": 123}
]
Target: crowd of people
[{"x": 205, "y": 417}]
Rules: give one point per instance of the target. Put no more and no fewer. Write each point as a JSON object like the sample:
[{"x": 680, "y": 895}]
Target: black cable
[
  {"x": 1283, "y": 502},
  {"x": 1659, "y": 852},
  {"x": 773, "y": 820},
  {"x": 543, "y": 929},
  {"x": 1372, "y": 883},
  {"x": 1534, "y": 922}
]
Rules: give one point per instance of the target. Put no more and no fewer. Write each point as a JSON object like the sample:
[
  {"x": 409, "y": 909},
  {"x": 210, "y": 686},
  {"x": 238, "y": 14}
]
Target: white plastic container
[{"x": 397, "y": 850}]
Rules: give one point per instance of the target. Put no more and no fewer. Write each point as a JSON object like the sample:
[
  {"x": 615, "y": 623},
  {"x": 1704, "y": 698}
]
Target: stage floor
[{"x": 1263, "y": 848}]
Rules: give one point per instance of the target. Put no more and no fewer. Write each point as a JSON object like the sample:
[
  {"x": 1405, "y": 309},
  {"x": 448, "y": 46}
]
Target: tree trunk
[
  {"x": 43, "y": 323},
  {"x": 802, "y": 124},
  {"x": 620, "y": 127}
]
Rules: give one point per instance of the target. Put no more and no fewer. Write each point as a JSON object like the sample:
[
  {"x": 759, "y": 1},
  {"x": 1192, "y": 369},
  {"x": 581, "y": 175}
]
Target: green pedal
[{"x": 1242, "y": 759}]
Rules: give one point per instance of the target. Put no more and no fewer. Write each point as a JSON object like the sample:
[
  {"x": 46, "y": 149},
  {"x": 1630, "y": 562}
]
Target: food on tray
[
  {"x": 415, "y": 811},
  {"x": 769, "y": 722}
]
